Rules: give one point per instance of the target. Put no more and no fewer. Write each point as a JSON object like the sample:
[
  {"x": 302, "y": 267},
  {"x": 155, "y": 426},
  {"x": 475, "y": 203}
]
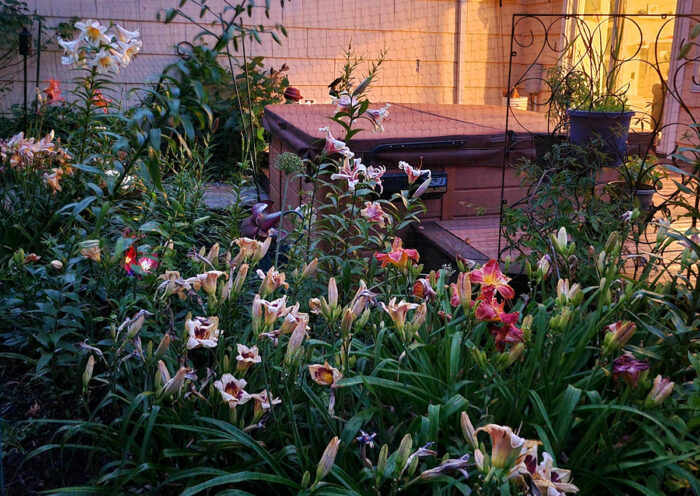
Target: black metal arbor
[{"x": 585, "y": 52}]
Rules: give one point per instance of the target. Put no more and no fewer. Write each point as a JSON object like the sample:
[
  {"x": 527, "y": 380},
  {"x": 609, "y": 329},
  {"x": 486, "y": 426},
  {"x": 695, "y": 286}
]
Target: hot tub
[{"x": 466, "y": 142}]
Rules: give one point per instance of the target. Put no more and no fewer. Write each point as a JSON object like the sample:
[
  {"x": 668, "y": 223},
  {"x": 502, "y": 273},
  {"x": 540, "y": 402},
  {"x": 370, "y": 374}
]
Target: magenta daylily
[
  {"x": 492, "y": 279},
  {"x": 629, "y": 368}
]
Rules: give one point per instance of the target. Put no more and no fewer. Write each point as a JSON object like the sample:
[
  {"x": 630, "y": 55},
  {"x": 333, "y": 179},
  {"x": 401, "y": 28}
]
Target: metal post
[
  {"x": 25, "y": 48},
  {"x": 38, "y": 66}
]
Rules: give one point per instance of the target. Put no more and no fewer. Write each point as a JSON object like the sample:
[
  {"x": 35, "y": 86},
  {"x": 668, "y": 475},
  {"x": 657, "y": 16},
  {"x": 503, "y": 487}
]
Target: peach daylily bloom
[
  {"x": 398, "y": 311},
  {"x": 203, "y": 332},
  {"x": 91, "y": 250},
  {"x": 231, "y": 390},
  {"x": 423, "y": 290},
  {"x": 271, "y": 281},
  {"x": 99, "y": 100},
  {"x": 505, "y": 444},
  {"x": 325, "y": 375},
  {"x": 398, "y": 256},
  {"x": 210, "y": 279},
  {"x": 251, "y": 250}
]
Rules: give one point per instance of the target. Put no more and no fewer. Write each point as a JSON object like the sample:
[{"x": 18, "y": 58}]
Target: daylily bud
[
  {"x": 526, "y": 327},
  {"x": 433, "y": 278},
  {"x": 256, "y": 314},
  {"x": 346, "y": 322},
  {"x": 56, "y": 265},
  {"x": 306, "y": 478},
  {"x": 294, "y": 345},
  {"x": 422, "y": 188},
  {"x": 136, "y": 323},
  {"x": 513, "y": 354},
  {"x": 213, "y": 255},
  {"x": 404, "y": 450},
  {"x": 605, "y": 297},
  {"x": 617, "y": 335},
  {"x": 464, "y": 291},
  {"x": 661, "y": 390},
  {"x": 419, "y": 317},
  {"x": 327, "y": 459},
  {"x": 479, "y": 461},
  {"x": 560, "y": 321},
  {"x": 332, "y": 294},
  {"x": 468, "y": 431},
  {"x": 612, "y": 246},
  {"x": 560, "y": 241},
  {"x": 362, "y": 321},
  {"x": 543, "y": 267},
  {"x": 174, "y": 385},
  {"x": 310, "y": 269},
  {"x": 163, "y": 346},
  {"x": 87, "y": 374},
  {"x": 381, "y": 460}
]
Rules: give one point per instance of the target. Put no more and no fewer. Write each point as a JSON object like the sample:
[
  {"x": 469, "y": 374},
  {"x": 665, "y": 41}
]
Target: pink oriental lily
[
  {"x": 350, "y": 172},
  {"x": 413, "y": 173},
  {"x": 373, "y": 175},
  {"x": 491, "y": 278},
  {"x": 376, "y": 117},
  {"x": 374, "y": 213},
  {"x": 334, "y": 146}
]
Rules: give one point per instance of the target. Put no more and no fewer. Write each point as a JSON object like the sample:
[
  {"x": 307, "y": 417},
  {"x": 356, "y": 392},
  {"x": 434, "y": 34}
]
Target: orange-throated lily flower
[
  {"x": 128, "y": 50},
  {"x": 413, "y": 173},
  {"x": 105, "y": 61},
  {"x": 271, "y": 281},
  {"x": 505, "y": 445},
  {"x": 203, "y": 332},
  {"x": 374, "y": 213},
  {"x": 232, "y": 391},
  {"x": 325, "y": 375},
  {"x": 398, "y": 256},
  {"x": 334, "y": 146},
  {"x": 492, "y": 279},
  {"x": 247, "y": 357},
  {"x": 398, "y": 311},
  {"x": 93, "y": 32},
  {"x": 124, "y": 35}
]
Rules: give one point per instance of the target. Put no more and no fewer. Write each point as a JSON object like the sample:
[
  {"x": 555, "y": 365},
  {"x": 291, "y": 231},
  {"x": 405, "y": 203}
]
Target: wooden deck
[{"x": 476, "y": 238}]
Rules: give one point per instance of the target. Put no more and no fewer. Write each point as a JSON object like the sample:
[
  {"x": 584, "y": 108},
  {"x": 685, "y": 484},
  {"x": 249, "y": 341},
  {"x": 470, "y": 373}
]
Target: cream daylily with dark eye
[
  {"x": 247, "y": 357},
  {"x": 325, "y": 375},
  {"x": 231, "y": 390},
  {"x": 203, "y": 332}
]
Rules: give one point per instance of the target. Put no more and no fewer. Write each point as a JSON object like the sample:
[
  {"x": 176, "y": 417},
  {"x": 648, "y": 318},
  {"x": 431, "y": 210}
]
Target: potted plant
[
  {"x": 640, "y": 179},
  {"x": 596, "y": 103}
]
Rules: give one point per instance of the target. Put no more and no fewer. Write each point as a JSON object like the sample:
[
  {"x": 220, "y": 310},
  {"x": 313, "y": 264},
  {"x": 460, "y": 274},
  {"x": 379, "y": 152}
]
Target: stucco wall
[{"x": 419, "y": 35}]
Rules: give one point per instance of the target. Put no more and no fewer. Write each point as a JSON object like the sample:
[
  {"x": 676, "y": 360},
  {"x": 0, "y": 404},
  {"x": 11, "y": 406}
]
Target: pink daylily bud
[
  {"x": 660, "y": 390},
  {"x": 617, "y": 335}
]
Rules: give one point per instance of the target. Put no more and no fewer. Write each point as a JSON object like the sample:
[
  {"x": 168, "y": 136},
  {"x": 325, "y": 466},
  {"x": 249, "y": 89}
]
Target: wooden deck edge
[{"x": 447, "y": 243}]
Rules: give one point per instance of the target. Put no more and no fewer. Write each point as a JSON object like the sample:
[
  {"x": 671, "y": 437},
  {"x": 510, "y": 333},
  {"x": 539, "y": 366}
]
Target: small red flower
[
  {"x": 506, "y": 334},
  {"x": 53, "y": 92},
  {"x": 100, "y": 101}
]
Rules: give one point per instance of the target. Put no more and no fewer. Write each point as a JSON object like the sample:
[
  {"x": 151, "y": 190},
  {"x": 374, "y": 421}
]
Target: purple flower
[
  {"x": 261, "y": 222},
  {"x": 629, "y": 368}
]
